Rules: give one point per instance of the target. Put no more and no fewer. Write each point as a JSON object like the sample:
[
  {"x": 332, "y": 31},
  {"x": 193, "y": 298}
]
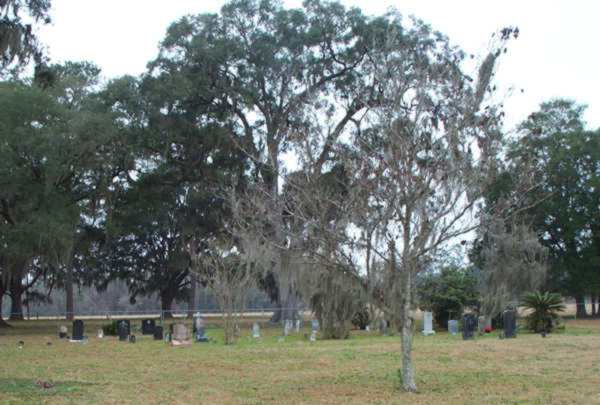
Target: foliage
[
  {"x": 111, "y": 329},
  {"x": 545, "y": 308},
  {"x": 511, "y": 261},
  {"x": 361, "y": 318},
  {"x": 17, "y": 38},
  {"x": 564, "y": 209},
  {"x": 448, "y": 291}
]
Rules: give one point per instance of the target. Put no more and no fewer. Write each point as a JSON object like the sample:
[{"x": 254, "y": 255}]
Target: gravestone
[
  {"x": 148, "y": 326},
  {"x": 481, "y": 324},
  {"x": 469, "y": 326},
  {"x": 77, "y": 330},
  {"x": 298, "y": 325},
  {"x": 62, "y": 332},
  {"x": 198, "y": 328},
  {"x": 287, "y": 327},
  {"x": 123, "y": 329},
  {"x": 158, "y": 333},
  {"x": 453, "y": 327},
  {"x": 382, "y": 326},
  {"x": 510, "y": 323},
  {"x": 314, "y": 330},
  {"x": 180, "y": 336},
  {"x": 100, "y": 334},
  {"x": 131, "y": 338},
  {"x": 256, "y": 330},
  {"x": 428, "y": 324}
]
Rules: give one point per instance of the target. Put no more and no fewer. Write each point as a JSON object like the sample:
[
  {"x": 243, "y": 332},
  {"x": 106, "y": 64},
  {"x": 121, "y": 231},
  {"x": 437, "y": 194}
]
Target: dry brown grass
[{"x": 562, "y": 368}]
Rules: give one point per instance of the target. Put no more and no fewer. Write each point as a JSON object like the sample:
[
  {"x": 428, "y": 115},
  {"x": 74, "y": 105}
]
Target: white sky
[{"x": 555, "y": 56}]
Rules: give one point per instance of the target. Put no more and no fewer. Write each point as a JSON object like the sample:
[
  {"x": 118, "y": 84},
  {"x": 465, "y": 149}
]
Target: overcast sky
[{"x": 555, "y": 56}]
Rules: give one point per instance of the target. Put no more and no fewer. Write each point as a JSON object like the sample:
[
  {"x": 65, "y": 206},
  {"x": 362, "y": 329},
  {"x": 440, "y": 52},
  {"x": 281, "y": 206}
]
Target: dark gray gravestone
[
  {"x": 148, "y": 326},
  {"x": 77, "y": 330},
  {"x": 123, "y": 329},
  {"x": 469, "y": 326},
  {"x": 510, "y": 323},
  {"x": 158, "y": 333}
]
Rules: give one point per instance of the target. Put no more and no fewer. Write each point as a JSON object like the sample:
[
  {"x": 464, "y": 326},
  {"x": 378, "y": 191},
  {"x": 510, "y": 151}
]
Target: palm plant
[{"x": 545, "y": 307}]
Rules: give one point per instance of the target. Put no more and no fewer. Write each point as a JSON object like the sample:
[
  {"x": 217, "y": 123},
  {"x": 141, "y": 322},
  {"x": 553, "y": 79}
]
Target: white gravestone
[
  {"x": 287, "y": 327},
  {"x": 315, "y": 329},
  {"x": 255, "y": 330},
  {"x": 428, "y": 324}
]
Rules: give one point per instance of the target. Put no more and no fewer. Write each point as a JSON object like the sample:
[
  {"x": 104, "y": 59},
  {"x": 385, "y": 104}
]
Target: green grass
[{"x": 562, "y": 368}]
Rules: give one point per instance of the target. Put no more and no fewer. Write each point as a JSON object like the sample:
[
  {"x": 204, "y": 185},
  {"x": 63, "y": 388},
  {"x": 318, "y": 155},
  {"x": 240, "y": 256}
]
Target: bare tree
[
  {"x": 231, "y": 260},
  {"x": 416, "y": 168},
  {"x": 513, "y": 262}
]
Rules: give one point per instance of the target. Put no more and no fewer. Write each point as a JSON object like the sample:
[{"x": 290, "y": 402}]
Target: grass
[{"x": 562, "y": 368}]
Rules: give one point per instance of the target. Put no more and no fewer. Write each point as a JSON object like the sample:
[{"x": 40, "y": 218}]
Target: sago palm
[{"x": 545, "y": 307}]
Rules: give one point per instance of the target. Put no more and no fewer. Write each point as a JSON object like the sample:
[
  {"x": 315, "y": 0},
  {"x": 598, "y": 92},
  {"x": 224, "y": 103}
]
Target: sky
[{"x": 555, "y": 55}]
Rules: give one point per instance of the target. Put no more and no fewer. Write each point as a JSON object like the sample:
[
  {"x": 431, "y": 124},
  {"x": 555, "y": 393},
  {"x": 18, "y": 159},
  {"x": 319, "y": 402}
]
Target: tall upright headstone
[
  {"x": 453, "y": 327},
  {"x": 158, "y": 333},
  {"x": 428, "y": 324},
  {"x": 382, "y": 326},
  {"x": 509, "y": 318},
  {"x": 287, "y": 326},
  {"x": 199, "y": 332},
  {"x": 256, "y": 330},
  {"x": 469, "y": 326},
  {"x": 123, "y": 329},
  {"x": 314, "y": 330},
  {"x": 148, "y": 326},
  {"x": 77, "y": 330}
]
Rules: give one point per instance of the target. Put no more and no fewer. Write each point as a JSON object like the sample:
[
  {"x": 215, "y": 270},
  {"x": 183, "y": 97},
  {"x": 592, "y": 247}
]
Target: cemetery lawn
[{"x": 563, "y": 368}]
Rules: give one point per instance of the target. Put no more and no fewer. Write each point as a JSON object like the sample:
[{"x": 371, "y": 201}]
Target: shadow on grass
[{"x": 26, "y": 388}]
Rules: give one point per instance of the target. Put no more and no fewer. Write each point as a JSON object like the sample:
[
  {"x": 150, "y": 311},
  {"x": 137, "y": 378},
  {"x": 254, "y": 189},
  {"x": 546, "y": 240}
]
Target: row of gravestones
[
  {"x": 470, "y": 324},
  {"x": 290, "y": 325}
]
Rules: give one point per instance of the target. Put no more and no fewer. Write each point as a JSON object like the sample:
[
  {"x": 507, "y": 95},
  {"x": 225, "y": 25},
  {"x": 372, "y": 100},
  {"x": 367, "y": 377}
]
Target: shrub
[
  {"x": 110, "y": 329},
  {"x": 545, "y": 308},
  {"x": 361, "y": 318},
  {"x": 450, "y": 289}
]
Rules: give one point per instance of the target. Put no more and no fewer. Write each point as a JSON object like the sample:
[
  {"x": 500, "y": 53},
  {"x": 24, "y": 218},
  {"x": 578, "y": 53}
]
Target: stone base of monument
[
  {"x": 428, "y": 332},
  {"x": 176, "y": 343},
  {"x": 84, "y": 340}
]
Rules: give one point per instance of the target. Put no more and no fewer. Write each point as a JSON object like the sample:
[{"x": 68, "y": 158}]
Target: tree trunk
[
  {"x": 580, "y": 304},
  {"x": 3, "y": 323},
  {"x": 70, "y": 308},
  {"x": 192, "y": 307},
  {"x": 16, "y": 300},
  {"x": 166, "y": 304},
  {"x": 408, "y": 373}
]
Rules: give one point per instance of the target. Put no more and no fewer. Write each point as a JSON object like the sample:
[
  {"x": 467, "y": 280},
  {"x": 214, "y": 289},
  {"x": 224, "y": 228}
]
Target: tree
[
  {"x": 565, "y": 216},
  {"x": 413, "y": 172},
  {"x": 512, "y": 262},
  {"x": 18, "y": 41},
  {"x": 59, "y": 156},
  {"x": 266, "y": 71},
  {"x": 447, "y": 291},
  {"x": 145, "y": 246}
]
